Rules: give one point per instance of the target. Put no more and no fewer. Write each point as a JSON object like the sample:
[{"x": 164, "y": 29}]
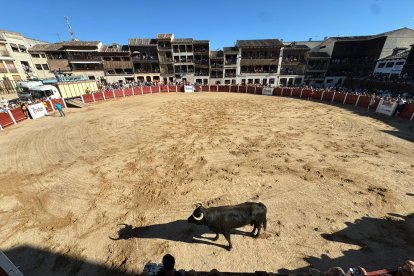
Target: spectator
[
  {"x": 4, "y": 102},
  {"x": 59, "y": 108},
  {"x": 168, "y": 261}
]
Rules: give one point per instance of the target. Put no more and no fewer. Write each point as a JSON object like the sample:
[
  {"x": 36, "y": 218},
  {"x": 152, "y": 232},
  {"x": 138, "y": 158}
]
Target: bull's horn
[{"x": 199, "y": 218}]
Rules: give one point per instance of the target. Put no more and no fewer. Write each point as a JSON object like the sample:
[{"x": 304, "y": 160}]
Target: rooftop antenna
[{"x": 72, "y": 35}]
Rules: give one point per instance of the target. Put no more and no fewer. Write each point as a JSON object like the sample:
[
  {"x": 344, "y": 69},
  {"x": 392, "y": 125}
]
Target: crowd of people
[{"x": 167, "y": 268}]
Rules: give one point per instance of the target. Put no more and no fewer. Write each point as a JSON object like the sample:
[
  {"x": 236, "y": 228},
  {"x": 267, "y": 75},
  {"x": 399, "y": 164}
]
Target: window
[
  {"x": 35, "y": 55},
  {"x": 38, "y": 66},
  {"x": 390, "y": 64},
  {"x": 91, "y": 77},
  {"x": 22, "y": 48},
  {"x": 10, "y": 66},
  {"x": 45, "y": 67},
  {"x": 14, "y": 47},
  {"x": 3, "y": 50},
  {"x": 400, "y": 63},
  {"x": 381, "y": 65},
  {"x": 329, "y": 81},
  {"x": 3, "y": 68},
  {"x": 43, "y": 55},
  {"x": 271, "y": 81}
]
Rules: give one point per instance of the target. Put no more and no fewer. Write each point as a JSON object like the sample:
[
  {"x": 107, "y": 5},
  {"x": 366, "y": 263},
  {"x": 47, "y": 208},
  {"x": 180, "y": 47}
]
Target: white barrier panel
[
  {"x": 387, "y": 107},
  {"x": 267, "y": 91},
  {"x": 188, "y": 88},
  {"x": 37, "y": 110}
]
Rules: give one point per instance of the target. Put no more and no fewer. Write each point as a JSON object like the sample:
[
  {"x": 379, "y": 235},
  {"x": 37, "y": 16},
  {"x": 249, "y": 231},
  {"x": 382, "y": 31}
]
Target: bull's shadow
[{"x": 179, "y": 231}]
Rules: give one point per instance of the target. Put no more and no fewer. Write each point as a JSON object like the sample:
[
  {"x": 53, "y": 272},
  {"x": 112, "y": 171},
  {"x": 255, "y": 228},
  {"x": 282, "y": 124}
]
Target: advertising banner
[
  {"x": 387, "y": 107},
  {"x": 37, "y": 110},
  {"x": 188, "y": 88},
  {"x": 267, "y": 91}
]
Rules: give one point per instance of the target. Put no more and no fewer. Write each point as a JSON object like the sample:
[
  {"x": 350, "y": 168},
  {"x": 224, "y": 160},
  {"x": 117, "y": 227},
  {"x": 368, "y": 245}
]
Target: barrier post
[
  {"x": 291, "y": 92},
  {"x": 103, "y": 94},
  {"x": 113, "y": 93},
  {"x": 229, "y": 88},
  {"x": 301, "y": 91},
  {"x": 64, "y": 102},
  {"x": 323, "y": 92},
  {"x": 142, "y": 91},
  {"x": 346, "y": 95},
  {"x": 1, "y": 128},
  {"x": 238, "y": 88},
  {"x": 356, "y": 104},
  {"x": 376, "y": 110},
  {"x": 151, "y": 89},
  {"x": 209, "y": 88},
  {"x": 11, "y": 116},
  {"x": 168, "y": 89},
  {"x": 82, "y": 98},
  {"x": 176, "y": 88},
  {"x": 281, "y": 92},
  {"x": 412, "y": 117},
  {"x": 333, "y": 97},
  {"x": 217, "y": 88},
  {"x": 255, "y": 88},
  {"x": 123, "y": 92},
  {"x": 93, "y": 97},
  {"x": 133, "y": 92},
  {"x": 53, "y": 108}
]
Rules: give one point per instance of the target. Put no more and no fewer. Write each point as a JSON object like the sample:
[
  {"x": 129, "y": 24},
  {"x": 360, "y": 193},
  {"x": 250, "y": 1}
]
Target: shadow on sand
[
  {"x": 179, "y": 231},
  {"x": 385, "y": 243}
]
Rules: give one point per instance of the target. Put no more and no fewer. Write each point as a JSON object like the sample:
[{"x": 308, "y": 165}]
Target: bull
[{"x": 224, "y": 219}]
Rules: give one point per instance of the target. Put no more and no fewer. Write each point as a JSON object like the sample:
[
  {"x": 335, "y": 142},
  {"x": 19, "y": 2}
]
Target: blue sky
[{"x": 221, "y": 21}]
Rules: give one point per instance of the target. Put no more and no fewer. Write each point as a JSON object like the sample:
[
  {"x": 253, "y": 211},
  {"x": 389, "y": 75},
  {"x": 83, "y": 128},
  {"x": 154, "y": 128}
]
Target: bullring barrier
[{"x": 16, "y": 115}]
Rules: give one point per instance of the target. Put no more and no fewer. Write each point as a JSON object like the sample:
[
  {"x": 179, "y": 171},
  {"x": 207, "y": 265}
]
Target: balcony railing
[
  {"x": 230, "y": 62},
  {"x": 144, "y": 58},
  {"x": 148, "y": 71},
  {"x": 166, "y": 60},
  {"x": 3, "y": 70},
  {"x": 85, "y": 58}
]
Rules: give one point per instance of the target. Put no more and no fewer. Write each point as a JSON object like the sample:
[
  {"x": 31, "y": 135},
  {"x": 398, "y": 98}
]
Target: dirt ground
[{"x": 338, "y": 186}]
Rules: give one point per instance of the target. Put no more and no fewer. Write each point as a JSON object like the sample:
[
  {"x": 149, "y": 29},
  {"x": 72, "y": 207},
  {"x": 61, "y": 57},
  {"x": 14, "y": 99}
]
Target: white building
[{"x": 392, "y": 65}]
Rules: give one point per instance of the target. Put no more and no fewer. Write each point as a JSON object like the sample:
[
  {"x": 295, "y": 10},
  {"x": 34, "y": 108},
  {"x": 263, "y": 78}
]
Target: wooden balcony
[
  {"x": 117, "y": 65},
  {"x": 253, "y": 62},
  {"x": 58, "y": 64}
]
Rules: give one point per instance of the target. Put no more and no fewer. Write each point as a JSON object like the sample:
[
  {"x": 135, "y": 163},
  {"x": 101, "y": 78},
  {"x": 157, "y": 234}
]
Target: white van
[{"x": 36, "y": 90}]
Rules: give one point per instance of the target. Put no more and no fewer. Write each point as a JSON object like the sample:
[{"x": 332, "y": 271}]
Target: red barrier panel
[
  {"x": 213, "y": 88},
  {"x": 286, "y": 92},
  {"x": 155, "y": 89},
  {"x": 180, "y": 88},
  {"x": 146, "y": 90},
  {"x": 327, "y": 96},
  {"x": 259, "y": 90},
  {"x": 109, "y": 94},
  {"x": 172, "y": 88},
  {"x": 408, "y": 111},
  {"x": 138, "y": 90},
  {"x": 277, "y": 91},
  {"x": 306, "y": 93},
  {"x": 55, "y": 101},
  {"x": 234, "y": 88},
  {"x": 375, "y": 105},
  {"x": 339, "y": 97},
  {"x": 222, "y": 88},
  {"x": 128, "y": 92},
  {"x": 164, "y": 88},
  {"x": 5, "y": 120},
  {"x": 351, "y": 99},
  {"x": 296, "y": 92},
  {"x": 49, "y": 106},
  {"x": 251, "y": 89},
  {"x": 243, "y": 89},
  {"x": 87, "y": 98},
  {"x": 317, "y": 94},
  {"x": 118, "y": 93},
  {"x": 98, "y": 96},
  {"x": 19, "y": 115},
  {"x": 197, "y": 88},
  {"x": 364, "y": 101},
  {"x": 205, "y": 88}
]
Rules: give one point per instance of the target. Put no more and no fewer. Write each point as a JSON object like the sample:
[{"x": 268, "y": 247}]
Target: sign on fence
[
  {"x": 387, "y": 107},
  {"x": 37, "y": 110},
  {"x": 188, "y": 88},
  {"x": 267, "y": 91}
]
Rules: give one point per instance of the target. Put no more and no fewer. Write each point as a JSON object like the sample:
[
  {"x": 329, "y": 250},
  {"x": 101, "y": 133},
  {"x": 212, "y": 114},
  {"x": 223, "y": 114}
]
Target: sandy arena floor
[{"x": 338, "y": 185}]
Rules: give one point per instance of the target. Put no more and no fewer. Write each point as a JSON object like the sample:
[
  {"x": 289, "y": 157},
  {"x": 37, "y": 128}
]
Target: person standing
[{"x": 59, "y": 108}]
